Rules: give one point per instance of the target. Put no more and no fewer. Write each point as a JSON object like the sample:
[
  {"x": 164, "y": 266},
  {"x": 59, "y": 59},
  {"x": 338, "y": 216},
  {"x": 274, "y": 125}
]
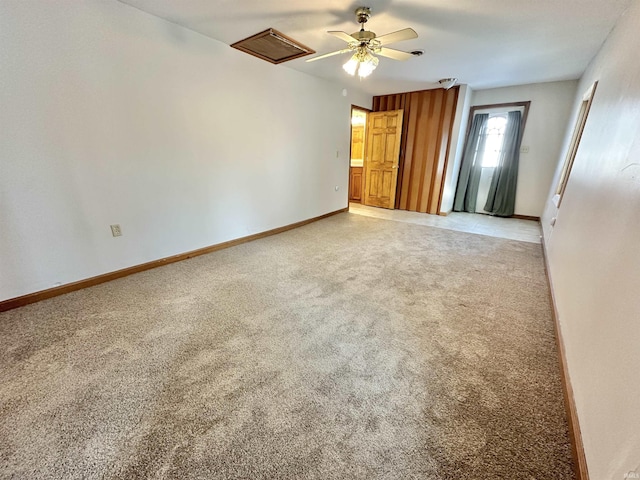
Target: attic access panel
[{"x": 273, "y": 46}]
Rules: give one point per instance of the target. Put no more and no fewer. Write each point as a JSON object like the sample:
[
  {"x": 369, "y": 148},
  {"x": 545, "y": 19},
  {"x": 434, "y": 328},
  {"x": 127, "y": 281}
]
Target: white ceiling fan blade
[
  {"x": 329, "y": 55},
  {"x": 399, "y": 36},
  {"x": 343, "y": 36},
  {"x": 392, "y": 53}
]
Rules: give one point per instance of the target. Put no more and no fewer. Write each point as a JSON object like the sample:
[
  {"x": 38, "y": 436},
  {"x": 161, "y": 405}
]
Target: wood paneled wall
[{"x": 426, "y": 136}]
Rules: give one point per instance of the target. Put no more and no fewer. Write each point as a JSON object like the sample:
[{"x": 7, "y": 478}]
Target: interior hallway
[{"x": 509, "y": 228}]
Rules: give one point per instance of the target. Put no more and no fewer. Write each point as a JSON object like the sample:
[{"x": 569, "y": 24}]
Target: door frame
[
  {"x": 576, "y": 136},
  {"x": 367, "y": 111},
  {"x": 472, "y": 111}
]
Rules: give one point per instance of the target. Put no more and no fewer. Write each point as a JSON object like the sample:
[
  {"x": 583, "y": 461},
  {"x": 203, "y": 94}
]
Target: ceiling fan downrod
[{"x": 363, "y": 36}]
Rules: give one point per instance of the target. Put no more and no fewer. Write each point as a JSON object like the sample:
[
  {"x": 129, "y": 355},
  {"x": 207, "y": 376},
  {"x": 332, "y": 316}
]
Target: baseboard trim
[
  {"x": 577, "y": 447},
  {"x": 526, "y": 217},
  {"x": 521, "y": 217},
  {"x": 107, "y": 277}
]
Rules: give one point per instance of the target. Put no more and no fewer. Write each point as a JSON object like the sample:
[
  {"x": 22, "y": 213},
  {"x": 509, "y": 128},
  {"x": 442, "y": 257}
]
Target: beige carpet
[{"x": 350, "y": 348}]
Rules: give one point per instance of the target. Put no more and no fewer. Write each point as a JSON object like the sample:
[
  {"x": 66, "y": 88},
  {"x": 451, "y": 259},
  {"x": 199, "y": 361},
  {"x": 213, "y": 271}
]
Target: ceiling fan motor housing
[{"x": 363, "y": 35}]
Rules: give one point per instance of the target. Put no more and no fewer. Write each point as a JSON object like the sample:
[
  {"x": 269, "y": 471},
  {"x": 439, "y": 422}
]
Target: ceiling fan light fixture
[
  {"x": 352, "y": 65},
  {"x": 362, "y": 63},
  {"x": 367, "y": 66}
]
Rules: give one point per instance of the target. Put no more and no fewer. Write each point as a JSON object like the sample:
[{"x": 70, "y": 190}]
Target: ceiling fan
[{"x": 365, "y": 45}]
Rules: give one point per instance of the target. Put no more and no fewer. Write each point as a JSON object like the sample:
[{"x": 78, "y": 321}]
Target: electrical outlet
[
  {"x": 524, "y": 149},
  {"x": 116, "y": 231}
]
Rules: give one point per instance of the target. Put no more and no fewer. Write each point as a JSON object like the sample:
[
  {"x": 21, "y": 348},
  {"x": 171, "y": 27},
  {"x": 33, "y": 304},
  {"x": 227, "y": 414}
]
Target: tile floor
[{"x": 510, "y": 228}]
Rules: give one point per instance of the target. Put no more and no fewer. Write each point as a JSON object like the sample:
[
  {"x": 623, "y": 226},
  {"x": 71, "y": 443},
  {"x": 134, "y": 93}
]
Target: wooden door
[
  {"x": 426, "y": 141},
  {"x": 384, "y": 131}
]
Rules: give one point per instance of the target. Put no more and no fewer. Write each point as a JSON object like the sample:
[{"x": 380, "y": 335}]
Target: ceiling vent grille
[{"x": 273, "y": 46}]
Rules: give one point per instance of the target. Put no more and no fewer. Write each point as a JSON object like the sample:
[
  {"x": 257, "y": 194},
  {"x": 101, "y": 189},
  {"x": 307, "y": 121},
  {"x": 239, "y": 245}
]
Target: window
[{"x": 494, "y": 133}]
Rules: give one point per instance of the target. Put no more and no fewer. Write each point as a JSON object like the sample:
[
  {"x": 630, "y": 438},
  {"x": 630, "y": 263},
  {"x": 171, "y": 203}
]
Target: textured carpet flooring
[{"x": 350, "y": 348}]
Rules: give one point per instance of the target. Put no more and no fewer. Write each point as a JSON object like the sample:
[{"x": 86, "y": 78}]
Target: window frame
[{"x": 495, "y": 106}]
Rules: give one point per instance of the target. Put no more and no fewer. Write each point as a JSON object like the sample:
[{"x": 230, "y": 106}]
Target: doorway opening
[
  {"x": 578, "y": 128},
  {"x": 356, "y": 162}
]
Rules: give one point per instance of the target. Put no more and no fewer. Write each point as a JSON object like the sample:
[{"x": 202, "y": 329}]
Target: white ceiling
[{"x": 485, "y": 43}]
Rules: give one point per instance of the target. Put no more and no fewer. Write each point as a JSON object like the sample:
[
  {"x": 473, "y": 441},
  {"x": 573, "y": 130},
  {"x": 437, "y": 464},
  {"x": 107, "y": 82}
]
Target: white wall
[
  {"x": 594, "y": 255},
  {"x": 458, "y": 132},
  {"x": 110, "y": 115},
  {"x": 549, "y": 113}
]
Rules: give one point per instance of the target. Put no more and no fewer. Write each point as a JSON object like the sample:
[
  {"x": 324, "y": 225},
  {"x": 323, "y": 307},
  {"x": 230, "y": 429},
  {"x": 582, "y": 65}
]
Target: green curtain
[
  {"x": 501, "y": 199},
  {"x": 469, "y": 178}
]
